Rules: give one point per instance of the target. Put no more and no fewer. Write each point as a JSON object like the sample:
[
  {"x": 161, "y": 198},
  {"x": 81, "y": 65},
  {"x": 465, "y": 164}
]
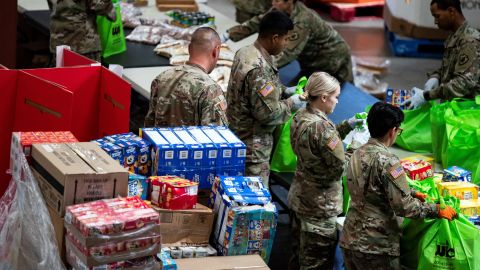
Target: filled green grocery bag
[
  {"x": 416, "y": 135},
  {"x": 283, "y": 158},
  {"x": 439, "y": 243},
  {"x": 437, "y": 121},
  {"x": 111, "y": 33},
  {"x": 461, "y": 145}
]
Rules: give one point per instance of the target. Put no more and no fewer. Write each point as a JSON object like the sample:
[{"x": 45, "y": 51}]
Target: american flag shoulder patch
[
  {"x": 396, "y": 171},
  {"x": 267, "y": 89},
  {"x": 332, "y": 143}
]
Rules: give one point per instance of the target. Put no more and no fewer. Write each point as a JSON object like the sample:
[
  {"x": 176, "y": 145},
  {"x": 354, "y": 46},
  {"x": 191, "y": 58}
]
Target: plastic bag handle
[
  {"x": 126, "y": 234},
  {"x": 454, "y": 102},
  {"x": 121, "y": 257}
]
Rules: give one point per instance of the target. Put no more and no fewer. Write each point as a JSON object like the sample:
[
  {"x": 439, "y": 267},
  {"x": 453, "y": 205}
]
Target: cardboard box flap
[
  {"x": 60, "y": 160},
  {"x": 245, "y": 262},
  {"x": 96, "y": 158}
]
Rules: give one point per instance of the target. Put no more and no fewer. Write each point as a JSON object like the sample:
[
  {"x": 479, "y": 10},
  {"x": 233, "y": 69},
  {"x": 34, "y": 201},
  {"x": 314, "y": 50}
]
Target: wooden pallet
[
  {"x": 186, "y": 5},
  {"x": 346, "y": 12}
]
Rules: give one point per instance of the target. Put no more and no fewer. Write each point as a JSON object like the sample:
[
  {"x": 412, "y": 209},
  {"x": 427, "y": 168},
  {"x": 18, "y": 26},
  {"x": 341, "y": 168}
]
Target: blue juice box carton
[
  {"x": 114, "y": 151},
  {"x": 180, "y": 155},
  {"x": 196, "y": 152},
  {"x": 225, "y": 150},
  {"x": 211, "y": 152},
  {"x": 456, "y": 174},
  {"x": 162, "y": 152},
  {"x": 129, "y": 153},
  {"x": 397, "y": 96},
  {"x": 239, "y": 148}
]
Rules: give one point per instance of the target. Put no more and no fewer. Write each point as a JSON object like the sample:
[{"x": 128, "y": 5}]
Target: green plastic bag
[
  {"x": 439, "y": 243},
  {"x": 346, "y": 195},
  {"x": 283, "y": 158},
  {"x": 462, "y": 137},
  {"x": 417, "y": 134},
  {"x": 111, "y": 33},
  {"x": 426, "y": 186},
  {"x": 437, "y": 120}
]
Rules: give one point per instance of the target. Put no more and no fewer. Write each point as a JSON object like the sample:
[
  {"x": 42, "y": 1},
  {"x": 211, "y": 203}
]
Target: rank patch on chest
[
  {"x": 332, "y": 143},
  {"x": 397, "y": 171},
  {"x": 267, "y": 89}
]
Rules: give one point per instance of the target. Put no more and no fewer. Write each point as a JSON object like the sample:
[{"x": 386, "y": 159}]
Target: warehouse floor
[{"x": 366, "y": 38}]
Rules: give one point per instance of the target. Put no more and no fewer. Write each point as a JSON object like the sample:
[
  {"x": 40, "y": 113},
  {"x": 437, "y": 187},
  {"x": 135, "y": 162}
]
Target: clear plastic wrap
[
  {"x": 27, "y": 238},
  {"x": 146, "y": 34},
  {"x": 367, "y": 73},
  {"x": 130, "y": 15}
]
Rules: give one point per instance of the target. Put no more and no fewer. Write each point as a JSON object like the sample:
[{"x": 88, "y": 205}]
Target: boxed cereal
[
  {"x": 396, "y": 97},
  {"x": 455, "y": 173}
]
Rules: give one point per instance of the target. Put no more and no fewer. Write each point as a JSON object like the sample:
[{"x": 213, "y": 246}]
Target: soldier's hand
[
  {"x": 224, "y": 37},
  {"x": 112, "y": 15},
  {"x": 447, "y": 213},
  {"x": 421, "y": 196},
  {"x": 431, "y": 83},
  {"x": 353, "y": 122},
  {"x": 297, "y": 103},
  {"x": 416, "y": 100},
  {"x": 289, "y": 91}
]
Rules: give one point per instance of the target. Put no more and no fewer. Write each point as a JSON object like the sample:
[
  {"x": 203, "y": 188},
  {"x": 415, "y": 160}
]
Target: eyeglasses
[{"x": 400, "y": 130}]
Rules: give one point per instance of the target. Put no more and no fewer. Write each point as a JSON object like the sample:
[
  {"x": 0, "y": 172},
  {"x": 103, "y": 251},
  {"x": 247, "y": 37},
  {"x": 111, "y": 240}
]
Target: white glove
[
  {"x": 297, "y": 103},
  {"x": 416, "y": 100},
  {"x": 224, "y": 37},
  {"x": 290, "y": 91},
  {"x": 353, "y": 122},
  {"x": 432, "y": 83}
]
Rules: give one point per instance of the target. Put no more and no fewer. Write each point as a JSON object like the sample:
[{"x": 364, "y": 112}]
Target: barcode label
[
  {"x": 198, "y": 155},
  {"x": 242, "y": 153},
  {"x": 183, "y": 154},
  {"x": 168, "y": 154},
  {"x": 212, "y": 154},
  {"x": 227, "y": 153},
  {"x": 192, "y": 191}
]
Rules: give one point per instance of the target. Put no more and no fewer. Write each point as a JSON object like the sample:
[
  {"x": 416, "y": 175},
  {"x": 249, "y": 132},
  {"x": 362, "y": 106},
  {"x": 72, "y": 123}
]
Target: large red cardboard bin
[{"x": 89, "y": 101}]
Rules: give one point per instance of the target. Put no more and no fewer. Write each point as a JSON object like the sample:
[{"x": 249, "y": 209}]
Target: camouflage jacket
[
  {"x": 73, "y": 23},
  {"x": 313, "y": 42},
  {"x": 254, "y": 101},
  {"x": 253, "y": 6},
  {"x": 459, "y": 74},
  {"x": 317, "y": 186},
  {"x": 379, "y": 193},
  {"x": 185, "y": 95}
]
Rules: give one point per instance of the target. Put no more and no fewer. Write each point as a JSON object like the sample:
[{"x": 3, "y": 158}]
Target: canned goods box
[{"x": 75, "y": 173}]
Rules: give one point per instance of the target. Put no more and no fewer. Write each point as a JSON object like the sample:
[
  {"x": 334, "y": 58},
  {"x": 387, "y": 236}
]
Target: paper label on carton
[
  {"x": 183, "y": 155},
  {"x": 170, "y": 136},
  {"x": 156, "y": 137},
  {"x": 212, "y": 154},
  {"x": 47, "y": 148},
  {"x": 227, "y": 153},
  {"x": 168, "y": 154},
  {"x": 198, "y": 155}
]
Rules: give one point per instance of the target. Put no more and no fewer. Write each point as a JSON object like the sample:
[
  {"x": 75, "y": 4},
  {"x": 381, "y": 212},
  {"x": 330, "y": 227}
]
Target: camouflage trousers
[
  {"x": 314, "y": 241},
  {"x": 355, "y": 260},
  {"x": 243, "y": 16},
  {"x": 339, "y": 67},
  {"x": 258, "y": 169}
]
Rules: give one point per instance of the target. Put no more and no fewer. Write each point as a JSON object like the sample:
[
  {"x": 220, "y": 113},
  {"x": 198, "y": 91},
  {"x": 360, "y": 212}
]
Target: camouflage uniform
[
  {"x": 459, "y": 74},
  {"x": 313, "y": 42},
  {"x": 246, "y": 9},
  {"x": 315, "y": 196},
  {"x": 254, "y": 106},
  {"x": 379, "y": 193},
  {"x": 73, "y": 23},
  {"x": 186, "y": 95}
]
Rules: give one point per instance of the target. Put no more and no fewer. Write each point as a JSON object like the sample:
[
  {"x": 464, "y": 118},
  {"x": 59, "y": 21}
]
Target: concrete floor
[{"x": 366, "y": 38}]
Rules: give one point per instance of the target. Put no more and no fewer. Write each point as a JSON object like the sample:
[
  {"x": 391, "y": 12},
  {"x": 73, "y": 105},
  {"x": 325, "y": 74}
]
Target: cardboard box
[
  {"x": 171, "y": 192},
  {"x": 470, "y": 208},
  {"x": 196, "y": 152},
  {"x": 246, "y": 262},
  {"x": 413, "y": 18},
  {"x": 211, "y": 151},
  {"x": 186, "y": 227},
  {"x": 417, "y": 170},
  {"x": 76, "y": 173},
  {"x": 225, "y": 152},
  {"x": 461, "y": 190},
  {"x": 239, "y": 148},
  {"x": 59, "y": 229},
  {"x": 455, "y": 173}
]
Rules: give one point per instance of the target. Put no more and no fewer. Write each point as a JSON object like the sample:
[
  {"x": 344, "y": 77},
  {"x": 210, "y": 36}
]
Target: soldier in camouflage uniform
[
  {"x": 254, "y": 92},
  {"x": 186, "y": 95},
  {"x": 315, "y": 196},
  {"x": 459, "y": 75},
  {"x": 73, "y": 23},
  {"x": 313, "y": 42},
  {"x": 247, "y": 9},
  {"x": 379, "y": 193}
]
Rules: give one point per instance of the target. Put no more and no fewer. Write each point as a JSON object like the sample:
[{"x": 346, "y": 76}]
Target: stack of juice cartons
[
  {"x": 112, "y": 234},
  {"x": 246, "y": 218}
]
